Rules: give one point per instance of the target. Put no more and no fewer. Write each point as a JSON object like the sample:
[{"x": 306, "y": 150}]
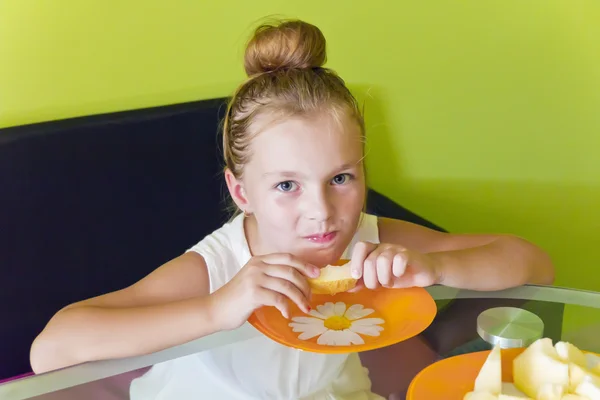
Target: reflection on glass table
[{"x": 566, "y": 314}]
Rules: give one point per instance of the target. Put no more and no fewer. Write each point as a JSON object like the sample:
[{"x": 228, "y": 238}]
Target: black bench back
[{"x": 91, "y": 205}]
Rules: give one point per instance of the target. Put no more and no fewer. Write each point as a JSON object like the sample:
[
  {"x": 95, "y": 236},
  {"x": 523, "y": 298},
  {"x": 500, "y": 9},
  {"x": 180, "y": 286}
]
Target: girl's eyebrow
[
  {"x": 296, "y": 174},
  {"x": 287, "y": 174},
  {"x": 349, "y": 165}
]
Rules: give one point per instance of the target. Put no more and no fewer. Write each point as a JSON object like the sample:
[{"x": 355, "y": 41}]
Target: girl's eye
[
  {"x": 287, "y": 186},
  {"x": 340, "y": 179}
]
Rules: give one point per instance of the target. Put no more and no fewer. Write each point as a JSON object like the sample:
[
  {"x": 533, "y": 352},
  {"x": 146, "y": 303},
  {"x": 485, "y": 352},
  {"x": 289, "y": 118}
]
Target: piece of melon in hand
[
  {"x": 333, "y": 279},
  {"x": 539, "y": 372}
]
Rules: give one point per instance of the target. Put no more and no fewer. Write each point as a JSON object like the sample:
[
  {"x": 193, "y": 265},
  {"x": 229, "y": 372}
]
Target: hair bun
[{"x": 289, "y": 45}]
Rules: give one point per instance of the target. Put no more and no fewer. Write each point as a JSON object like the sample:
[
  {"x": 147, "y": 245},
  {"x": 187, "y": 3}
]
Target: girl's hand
[
  {"x": 391, "y": 266},
  {"x": 269, "y": 280}
]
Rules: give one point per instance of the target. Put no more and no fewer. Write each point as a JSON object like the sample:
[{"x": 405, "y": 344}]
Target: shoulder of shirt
[
  {"x": 226, "y": 238},
  {"x": 366, "y": 217},
  {"x": 368, "y": 221},
  {"x": 368, "y": 230}
]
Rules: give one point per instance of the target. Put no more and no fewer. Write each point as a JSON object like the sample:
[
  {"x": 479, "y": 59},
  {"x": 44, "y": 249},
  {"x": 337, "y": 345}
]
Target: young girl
[{"x": 293, "y": 145}]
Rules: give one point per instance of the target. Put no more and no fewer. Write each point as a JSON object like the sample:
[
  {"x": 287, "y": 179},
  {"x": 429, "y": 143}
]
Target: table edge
[{"x": 84, "y": 373}]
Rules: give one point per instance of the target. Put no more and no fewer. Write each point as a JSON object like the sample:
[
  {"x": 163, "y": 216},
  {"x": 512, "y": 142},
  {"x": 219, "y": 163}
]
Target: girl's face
[{"x": 305, "y": 188}]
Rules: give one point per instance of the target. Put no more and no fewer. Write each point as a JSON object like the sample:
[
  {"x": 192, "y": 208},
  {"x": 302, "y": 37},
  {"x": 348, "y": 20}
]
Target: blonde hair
[{"x": 286, "y": 78}]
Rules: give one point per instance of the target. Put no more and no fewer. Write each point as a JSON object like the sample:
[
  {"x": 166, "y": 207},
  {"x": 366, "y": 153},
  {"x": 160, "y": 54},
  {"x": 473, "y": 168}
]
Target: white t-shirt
[{"x": 258, "y": 368}]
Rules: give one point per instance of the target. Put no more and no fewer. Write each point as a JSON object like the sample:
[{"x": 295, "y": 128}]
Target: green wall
[{"x": 482, "y": 116}]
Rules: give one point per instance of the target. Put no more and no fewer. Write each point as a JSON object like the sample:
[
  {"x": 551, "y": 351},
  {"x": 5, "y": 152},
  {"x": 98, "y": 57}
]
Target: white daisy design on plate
[{"x": 337, "y": 325}]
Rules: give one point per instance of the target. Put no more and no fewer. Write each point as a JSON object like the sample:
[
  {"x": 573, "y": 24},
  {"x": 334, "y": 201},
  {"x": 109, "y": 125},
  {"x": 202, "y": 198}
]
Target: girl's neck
[{"x": 252, "y": 236}]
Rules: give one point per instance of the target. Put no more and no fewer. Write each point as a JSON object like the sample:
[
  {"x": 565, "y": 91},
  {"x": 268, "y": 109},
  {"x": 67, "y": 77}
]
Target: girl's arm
[
  {"x": 169, "y": 307},
  {"x": 477, "y": 262}
]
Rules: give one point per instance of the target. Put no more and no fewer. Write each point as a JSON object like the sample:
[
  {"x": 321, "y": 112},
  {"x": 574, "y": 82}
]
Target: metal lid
[{"x": 509, "y": 327}]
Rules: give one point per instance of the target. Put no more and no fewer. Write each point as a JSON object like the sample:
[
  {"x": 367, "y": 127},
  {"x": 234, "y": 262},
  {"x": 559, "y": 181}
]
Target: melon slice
[
  {"x": 489, "y": 378},
  {"x": 540, "y": 373},
  {"x": 333, "y": 279}
]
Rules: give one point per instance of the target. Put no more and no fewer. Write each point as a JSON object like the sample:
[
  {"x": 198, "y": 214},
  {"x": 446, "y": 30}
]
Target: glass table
[{"x": 567, "y": 314}]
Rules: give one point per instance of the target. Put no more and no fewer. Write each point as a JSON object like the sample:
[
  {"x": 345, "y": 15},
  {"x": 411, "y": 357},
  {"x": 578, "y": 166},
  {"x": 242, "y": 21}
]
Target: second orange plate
[
  {"x": 350, "y": 322},
  {"x": 452, "y": 378}
]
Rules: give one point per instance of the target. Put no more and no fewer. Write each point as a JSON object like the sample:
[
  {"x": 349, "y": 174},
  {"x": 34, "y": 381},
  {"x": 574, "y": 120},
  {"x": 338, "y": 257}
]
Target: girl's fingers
[{"x": 282, "y": 290}]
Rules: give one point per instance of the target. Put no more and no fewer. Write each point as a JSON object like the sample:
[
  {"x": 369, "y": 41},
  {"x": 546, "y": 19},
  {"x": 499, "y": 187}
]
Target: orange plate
[
  {"x": 405, "y": 313},
  {"x": 454, "y": 377}
]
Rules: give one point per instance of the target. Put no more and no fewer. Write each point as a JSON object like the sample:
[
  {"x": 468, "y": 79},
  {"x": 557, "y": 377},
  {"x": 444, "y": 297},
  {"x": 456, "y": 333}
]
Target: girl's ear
[{"x": 237, "y": 192}]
